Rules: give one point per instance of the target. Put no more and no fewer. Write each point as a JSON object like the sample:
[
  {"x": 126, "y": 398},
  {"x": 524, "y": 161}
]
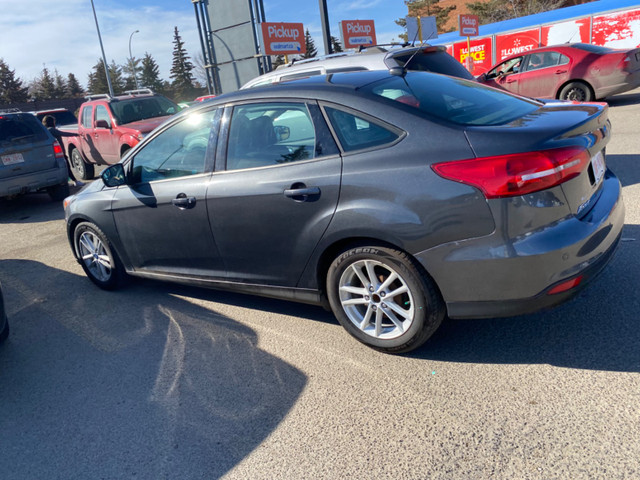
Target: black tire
[
  {"x": 97, "y": 256},
  {"x": 81, "y": 169},
  {"x": 367, "y": 310},
  {"x": 59, "y": 192},
  {"x": 576, "y": 91}
]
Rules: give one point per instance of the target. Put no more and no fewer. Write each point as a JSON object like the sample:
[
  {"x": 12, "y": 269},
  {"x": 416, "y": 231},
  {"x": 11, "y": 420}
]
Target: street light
[
  {"x": 133, "y": 67},
  {"x": 104, "y": 57}
]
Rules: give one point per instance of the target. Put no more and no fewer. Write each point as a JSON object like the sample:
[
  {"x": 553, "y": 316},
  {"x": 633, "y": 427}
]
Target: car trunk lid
[{"x": 25, "y": 146}]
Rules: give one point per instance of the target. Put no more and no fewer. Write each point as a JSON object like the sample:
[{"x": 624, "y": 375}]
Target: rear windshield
[
  {"x": 434, "y": 61},
  {"x": 135, "y": 109},
  {"x": 63, "y": 117},
  {"x": 454, "y": 100},
  {"x": 592, "y": 48},
  {"x": 23, "y": 128}
]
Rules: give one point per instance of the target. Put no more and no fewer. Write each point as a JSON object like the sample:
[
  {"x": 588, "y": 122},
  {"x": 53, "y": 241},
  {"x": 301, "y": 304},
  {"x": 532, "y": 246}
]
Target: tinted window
[
  {"x": 454, "y": 100},
  {"x": 438, "y": 62},
  {"x": 63, "y": 117},
  {"x": 19, "y": 129},
  {"x": 274, "y": 133},
  {"x": 357, "y": 133},
  {"x": 178, "y": 151},
  {"x": 86, "y": 116},
  {"x": 545, "y": 59},
  {"x": 102, "y": 114}
]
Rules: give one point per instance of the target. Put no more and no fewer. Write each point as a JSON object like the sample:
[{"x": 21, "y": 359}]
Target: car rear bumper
[
  {"x": 31, "y": 182},
  {"x": 496, "y": 276},
  {"x": 625, "y": 83}
]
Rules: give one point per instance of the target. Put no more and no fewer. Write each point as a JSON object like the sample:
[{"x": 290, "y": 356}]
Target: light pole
[
  {"x": 133, "y": 67},
  {"x": 104, "y": 58}
]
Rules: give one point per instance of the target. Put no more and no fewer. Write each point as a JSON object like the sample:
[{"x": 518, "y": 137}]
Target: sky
[{"x": 61, "y": 35}]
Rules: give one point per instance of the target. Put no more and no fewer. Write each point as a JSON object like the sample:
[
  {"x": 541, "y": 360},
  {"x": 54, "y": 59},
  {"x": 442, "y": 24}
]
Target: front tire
[
  {"x": 384, "y": 299},
  {"x": 97, "y": 256},
  {"x": 81, "y": 169},
  {"x": 576, "y": 91}
]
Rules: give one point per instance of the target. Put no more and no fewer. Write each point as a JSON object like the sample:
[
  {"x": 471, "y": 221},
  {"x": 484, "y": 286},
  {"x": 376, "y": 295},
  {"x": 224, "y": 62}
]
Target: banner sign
[
  {"x": 357, "y": 32},
  {"x": 426, "y": 32},
  {"x": 469, "y": 25},
  {"x": 617, "y": 30},
  {"x": 573, "y": 31},
  {"x": 283, "y": 38},
  {"x": 514, "y": 43},
  {"x": 480, "y": 54}
]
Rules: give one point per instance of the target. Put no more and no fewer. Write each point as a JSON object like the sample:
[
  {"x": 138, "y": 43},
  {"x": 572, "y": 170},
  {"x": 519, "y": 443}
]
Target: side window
[
  {"x": 544, "y": 60},
  {"x": 178, "y": 151},
  {"x": 563, "y": 60},
  {"x": 102, "y": 114},
  {"x": 86, "y": 116},
  {"x": 265, "y": 134},
  {"x": 357, "y": 133}
]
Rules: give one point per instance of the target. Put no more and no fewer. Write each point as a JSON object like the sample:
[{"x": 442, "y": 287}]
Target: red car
[{"x": 575, "y": 71}]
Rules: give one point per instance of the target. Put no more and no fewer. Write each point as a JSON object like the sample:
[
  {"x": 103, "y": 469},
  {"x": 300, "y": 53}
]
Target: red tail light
[
  {"x": 57, "y": 150},
  {"x": 564, "y": 286},
  {"x": 519, "y": 173}
]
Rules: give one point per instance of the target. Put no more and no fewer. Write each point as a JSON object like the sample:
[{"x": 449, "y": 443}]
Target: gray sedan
[{"x": 394, "y": 199}]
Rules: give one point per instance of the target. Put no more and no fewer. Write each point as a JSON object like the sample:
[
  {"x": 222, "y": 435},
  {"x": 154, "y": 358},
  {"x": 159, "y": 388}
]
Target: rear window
[
  {"x": 63, "y": 117},
  {"x": 136, "y": 109},
  {"x": 23, "y": 128},
  {"x": 454, "y": 100},
  {"x": 434, "y": 61},
  {"x": 592, "y": 48}
]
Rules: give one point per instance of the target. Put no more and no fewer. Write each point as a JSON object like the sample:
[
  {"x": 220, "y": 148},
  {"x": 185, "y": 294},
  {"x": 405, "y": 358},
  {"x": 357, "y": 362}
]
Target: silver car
[{"x": 393, "y": 200}]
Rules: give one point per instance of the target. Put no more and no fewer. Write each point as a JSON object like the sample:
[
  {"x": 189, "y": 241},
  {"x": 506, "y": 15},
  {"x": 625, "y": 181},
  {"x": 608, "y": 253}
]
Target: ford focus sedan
[{"x": 393, "y": 199}]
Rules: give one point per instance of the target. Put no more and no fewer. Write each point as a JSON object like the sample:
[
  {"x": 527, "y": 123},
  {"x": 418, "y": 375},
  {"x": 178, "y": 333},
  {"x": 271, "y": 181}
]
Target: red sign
[
  {"x": 357, "y": 32},
  {"x": 572, "y": 31},
  {"x": 617, "y": 30},
  {"x": 469, "y": 25},
  {"x": 514, "y": 43},
  {"x": 283, "y": 38},
  {"x": 480, "y": 54}
]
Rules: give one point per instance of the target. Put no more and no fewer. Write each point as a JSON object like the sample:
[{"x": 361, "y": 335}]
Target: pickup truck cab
[{"x": 109, "y": 126}]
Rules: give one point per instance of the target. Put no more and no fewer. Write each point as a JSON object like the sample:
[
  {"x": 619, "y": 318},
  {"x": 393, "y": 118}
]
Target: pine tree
[
  {"x": 73, "y": 86},
  {"x": 336, "y": 47},
  {"x": 60, "y": 85},
  {"x": 311, "y": 46},
  {"x": 43, "y": 87},
  {"x": 132, "y": 70},
  {"x": 182, "y": 78},
  {"x": 277, "y": 61},
  {"x": 11, "y": 89},
  {"x": 150, "y": 74},
  {"x": 117, "y": 80}
]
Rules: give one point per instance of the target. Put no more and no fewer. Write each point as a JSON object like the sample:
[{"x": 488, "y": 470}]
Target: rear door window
[
  {"x": 86, "y": 116},
  {"x": 357, "y": 132}
]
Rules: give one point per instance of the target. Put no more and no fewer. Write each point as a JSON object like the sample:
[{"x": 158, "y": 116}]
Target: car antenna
[{"x": 402, "y": 71}]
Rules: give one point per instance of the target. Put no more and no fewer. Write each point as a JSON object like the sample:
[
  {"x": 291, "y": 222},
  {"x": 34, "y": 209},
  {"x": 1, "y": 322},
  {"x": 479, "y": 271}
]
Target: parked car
[
  {"x": 575, "y": 71},
  {"x": 4, "y": 323},
  {"x": 31, "y": 160},
  {"x": 426, "y": 58},
  {"x": 109, "y": 126},
  {"x": 392, "y": 199},
  {"x": 64, "y": 118}
]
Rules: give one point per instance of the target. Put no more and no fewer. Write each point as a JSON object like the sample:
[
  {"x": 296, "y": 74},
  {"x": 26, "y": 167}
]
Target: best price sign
[
  {"x": 469, "y": 25},
  {"x": 357, "y": 32},
  {"x": 283, "y": 38}
]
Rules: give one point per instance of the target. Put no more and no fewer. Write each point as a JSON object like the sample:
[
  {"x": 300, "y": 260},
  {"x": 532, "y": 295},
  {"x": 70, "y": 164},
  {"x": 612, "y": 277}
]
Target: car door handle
[
  {"x": 183, "y": 202},
  {"x": 301, "y": 192},
  {"x": 512, "y": 80},
  {"x": 559, "y": 72}
]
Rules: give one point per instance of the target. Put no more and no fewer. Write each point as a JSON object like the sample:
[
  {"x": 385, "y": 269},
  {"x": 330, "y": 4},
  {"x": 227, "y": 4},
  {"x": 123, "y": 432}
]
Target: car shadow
[
  {"x": 140, "y": 384},
  {"x": 597, "y": 330},
  {"x": 32, "y": 208},
  {"x": 630, "y": 98},
  {"x": 625, "y": 167}
]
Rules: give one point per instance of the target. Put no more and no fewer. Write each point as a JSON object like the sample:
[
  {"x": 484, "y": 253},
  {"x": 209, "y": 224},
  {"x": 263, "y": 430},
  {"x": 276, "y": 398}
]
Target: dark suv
[
  {"x": 425, "y": 58},
  {"x": 31, "y": 160}
]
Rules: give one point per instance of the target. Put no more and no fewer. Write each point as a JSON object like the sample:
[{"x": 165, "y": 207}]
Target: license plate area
[
  {"x": 596, "y": 169},
  {"x": 12, "y": 159}
]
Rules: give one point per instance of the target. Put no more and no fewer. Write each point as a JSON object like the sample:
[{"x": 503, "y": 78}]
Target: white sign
[{"x": 429, "y": 29}]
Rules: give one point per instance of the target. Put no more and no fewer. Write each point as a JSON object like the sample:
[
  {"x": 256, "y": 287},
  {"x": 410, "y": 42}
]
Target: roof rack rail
[
  {"x": 10, "y": 110},
  {"x": 96, "y": 96},
  {"x": 392, "y": 44},
  {"x": 140, "y": 91},
  {"x": 313, "y": 59}
]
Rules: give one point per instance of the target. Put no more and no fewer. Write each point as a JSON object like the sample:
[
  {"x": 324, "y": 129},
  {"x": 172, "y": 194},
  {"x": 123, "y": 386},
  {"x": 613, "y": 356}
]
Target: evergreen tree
[
  {"x": 117, "y": 80},
  {"x": 277, "y": 61},
  {"x": 11, "y": 89},
  {"x": 43, "y": 87},
  {"x": 311, "y": 46},
  {"x": 336, "y": 47},
  {"x": 426, "y": 8},
  {"x": 60, "y": 86},
  {"x": 73, "y": 86},
  {"x": 182, "y": 78},
  {"x": 150, "y": 74},
  {"x": 97, "y": 81},
  {"x": 132, "y": 70}
]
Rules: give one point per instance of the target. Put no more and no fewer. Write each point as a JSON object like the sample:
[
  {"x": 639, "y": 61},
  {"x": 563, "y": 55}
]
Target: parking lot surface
[{"x": 163, "y": 381}]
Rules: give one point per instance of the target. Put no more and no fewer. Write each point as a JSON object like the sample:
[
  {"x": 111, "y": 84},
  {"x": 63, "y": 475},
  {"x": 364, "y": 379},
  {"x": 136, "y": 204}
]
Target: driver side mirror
[
  {"x": 114, "y": 176},
  {"x": 102, "y": 124}
]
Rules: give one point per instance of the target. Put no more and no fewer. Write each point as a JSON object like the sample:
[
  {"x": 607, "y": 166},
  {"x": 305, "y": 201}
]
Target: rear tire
[
  {"x": 576, "y": 91},
  {"x": 384, "y": 299},
  {"x": 98, "y": 257},
  {"x": 59, "y": 192},
  {"x": 81, "y": 169}
]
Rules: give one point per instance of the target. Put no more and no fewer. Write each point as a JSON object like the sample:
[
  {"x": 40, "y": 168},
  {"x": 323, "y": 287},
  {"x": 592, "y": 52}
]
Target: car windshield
[
  {"x": 454, "y": 100},
  {"x": 21, "y": 129},
  {"x": 136, "y": 109}
]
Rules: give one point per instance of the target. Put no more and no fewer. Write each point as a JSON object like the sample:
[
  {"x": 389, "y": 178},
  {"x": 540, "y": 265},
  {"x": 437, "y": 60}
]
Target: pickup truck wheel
[
  {"x": 58, "y": 192},
  {"x": 81, "y": 169}
]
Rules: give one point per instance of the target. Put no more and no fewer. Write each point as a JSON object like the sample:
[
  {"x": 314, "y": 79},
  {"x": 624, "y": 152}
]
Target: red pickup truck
[{"x": 109, "y": 126}]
